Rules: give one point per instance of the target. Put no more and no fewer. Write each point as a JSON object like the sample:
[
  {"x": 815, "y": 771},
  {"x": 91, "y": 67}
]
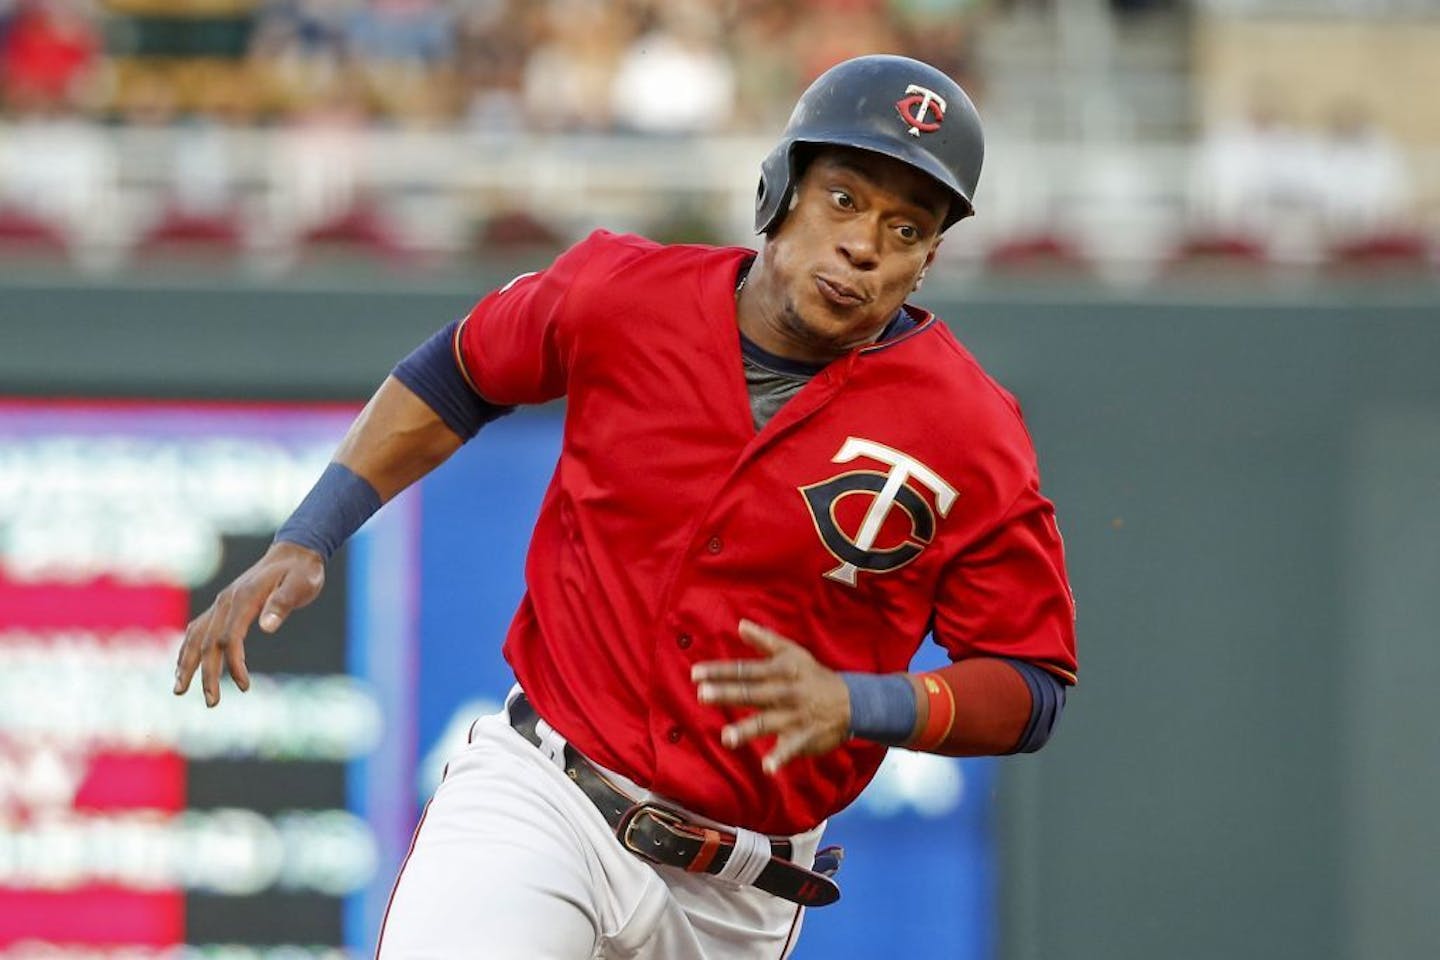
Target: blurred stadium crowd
[
  {"x": 422, "y": 129},
  {"x": 495, "y": 65}
]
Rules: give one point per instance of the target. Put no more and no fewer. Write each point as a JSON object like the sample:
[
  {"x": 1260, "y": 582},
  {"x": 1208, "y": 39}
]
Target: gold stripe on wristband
[{"x": 941, "y": 717}]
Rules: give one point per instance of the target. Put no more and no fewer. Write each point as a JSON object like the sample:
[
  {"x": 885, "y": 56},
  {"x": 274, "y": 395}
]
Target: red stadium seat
[
  {"x": 1208, "y": 255},
  {"x": 1047, "y": 252},
  {"x": 1390, "y": 250},
  {"x": 1232, "y": 248},
  {"x": 361, "y": 229},
  {"x": 517, "y": 230},
  {"x": 22, "y": 232},
  {"x": 180, "y": 233}
]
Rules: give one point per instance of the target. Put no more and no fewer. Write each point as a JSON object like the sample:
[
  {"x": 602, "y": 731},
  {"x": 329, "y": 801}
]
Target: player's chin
[
  {"x": 837, "y": 339},
  {"x": 846, "y": 328}
]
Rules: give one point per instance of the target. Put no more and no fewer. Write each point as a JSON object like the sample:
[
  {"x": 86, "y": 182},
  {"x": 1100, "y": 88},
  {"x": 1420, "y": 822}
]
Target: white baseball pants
[{"x": 511, "y": 861}]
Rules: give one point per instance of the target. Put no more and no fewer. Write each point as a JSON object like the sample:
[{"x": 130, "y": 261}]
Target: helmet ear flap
[
  {"x": 779, "y": 175},
  {"x": 772, "y": 190}
]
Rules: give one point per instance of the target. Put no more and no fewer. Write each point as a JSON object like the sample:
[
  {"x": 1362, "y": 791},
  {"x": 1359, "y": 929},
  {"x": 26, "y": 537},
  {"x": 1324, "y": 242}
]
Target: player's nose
[{"x": 859, "y": 244}]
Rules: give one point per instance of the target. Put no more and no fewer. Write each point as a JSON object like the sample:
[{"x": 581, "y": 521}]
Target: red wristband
[{"x": 941, "y": 719}]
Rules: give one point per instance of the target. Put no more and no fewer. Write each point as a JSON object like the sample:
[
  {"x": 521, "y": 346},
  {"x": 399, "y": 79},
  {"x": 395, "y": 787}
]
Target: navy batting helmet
[{"x": 890, "y": 105}]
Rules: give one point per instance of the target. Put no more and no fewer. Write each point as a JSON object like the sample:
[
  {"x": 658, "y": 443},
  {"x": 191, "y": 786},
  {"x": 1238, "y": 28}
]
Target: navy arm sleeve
[
  {"x": 433, "y": 374},
  {"x": 1047, "y": 701}
]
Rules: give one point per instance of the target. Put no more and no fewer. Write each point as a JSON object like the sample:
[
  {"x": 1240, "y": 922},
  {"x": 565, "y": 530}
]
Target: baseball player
[{"x": 777, "y": 478}]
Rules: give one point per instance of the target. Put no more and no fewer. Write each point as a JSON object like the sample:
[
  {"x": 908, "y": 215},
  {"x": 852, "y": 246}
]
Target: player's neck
[{"x": 760, "y": 312}]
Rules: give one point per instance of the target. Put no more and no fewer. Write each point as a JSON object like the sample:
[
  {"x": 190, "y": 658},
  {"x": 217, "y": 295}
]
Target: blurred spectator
[
  {"x": 190, "y": 151},
  {"x": 315, "y": 163},
  {"x": 48, "y": 50},
  {"x": 675, "y": 79},
  {"x": 401, "y": 32},
  {"x": 206, "y": 180},
  {"x": 491, "y": 48},
  {"x": 1363, "y": 181},
  {"x": 763, "y": 37},
  {"x": 401, "y": 47},
  {"x": 942, "y": 33},
  {"x": 61, "y": 169},
  {"x": 57, "y": 171},
  {"x": 837, "y": 30},
  {"x": 568, "y": 75},
  {"x": 1257, "y": 177}
]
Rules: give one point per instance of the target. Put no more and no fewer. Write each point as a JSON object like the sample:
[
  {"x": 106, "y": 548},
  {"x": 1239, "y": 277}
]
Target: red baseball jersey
[{"x": 896, "y": 494}]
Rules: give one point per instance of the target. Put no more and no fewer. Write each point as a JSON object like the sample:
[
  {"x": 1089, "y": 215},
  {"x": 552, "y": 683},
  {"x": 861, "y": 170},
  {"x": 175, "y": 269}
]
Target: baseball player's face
[{"x": 861, "y": 232}]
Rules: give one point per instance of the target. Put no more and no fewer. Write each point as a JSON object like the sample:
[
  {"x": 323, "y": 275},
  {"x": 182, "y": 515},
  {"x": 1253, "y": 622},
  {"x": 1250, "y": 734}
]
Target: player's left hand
[{"x": 799, "y": 701}]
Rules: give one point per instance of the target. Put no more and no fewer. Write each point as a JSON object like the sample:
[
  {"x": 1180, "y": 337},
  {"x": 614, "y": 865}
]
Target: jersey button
[
  {"x": 673, "y": 734},
  {"x": 715, "y": 545},
  {"x": 683, "y": 641}
]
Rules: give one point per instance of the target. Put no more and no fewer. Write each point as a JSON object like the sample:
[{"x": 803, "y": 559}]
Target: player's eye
[
  {"x": 908, "y": 232},
  {"x": 842, "y": 199}
]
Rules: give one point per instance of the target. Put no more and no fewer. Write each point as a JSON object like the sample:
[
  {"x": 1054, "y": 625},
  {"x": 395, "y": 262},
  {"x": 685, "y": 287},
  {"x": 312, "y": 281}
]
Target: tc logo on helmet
[
  {"x": 915, "y": 107},
  {"x": 887, "y": 491}
]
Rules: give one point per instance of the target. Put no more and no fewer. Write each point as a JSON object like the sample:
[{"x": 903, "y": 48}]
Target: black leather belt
[{"x": 660, "y": 834}]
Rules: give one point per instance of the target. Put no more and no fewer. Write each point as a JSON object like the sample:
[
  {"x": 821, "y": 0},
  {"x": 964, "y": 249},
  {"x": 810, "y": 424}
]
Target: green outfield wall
[{"x": 1250, "y": 492}]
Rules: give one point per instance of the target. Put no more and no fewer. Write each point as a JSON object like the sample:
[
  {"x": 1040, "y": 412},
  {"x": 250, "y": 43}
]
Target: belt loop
[
  {"x": 515, "y": 694},
  {"x": 751, "y": 854},
  {"x": 551, "y": 743},
  {"x": 709, "y": 846}
]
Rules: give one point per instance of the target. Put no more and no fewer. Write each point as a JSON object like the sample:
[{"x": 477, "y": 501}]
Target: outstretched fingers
[
  {"x": 794, "y": 698},
  {"x": 189, "y": 657},
  {"x": 748, "y": 693},
  {"x": 212, "y": 648},
  {"x": 763, "y": 638},
  {"x": 243, "y": 608},
  {"x": 286, "y": 578},
  {"x": 765, "y": 723},
  {"x": 221, "y": 643},
  {"x": 789, "y": 745},
  {"x": 794, "y": 736}
]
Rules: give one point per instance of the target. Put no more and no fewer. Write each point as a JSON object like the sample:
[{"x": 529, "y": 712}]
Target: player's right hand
[{"x": 286, "y": 578}]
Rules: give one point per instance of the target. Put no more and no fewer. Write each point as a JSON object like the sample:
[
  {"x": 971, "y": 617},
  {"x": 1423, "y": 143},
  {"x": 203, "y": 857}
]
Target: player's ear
[{"x": 929, "y": 259}]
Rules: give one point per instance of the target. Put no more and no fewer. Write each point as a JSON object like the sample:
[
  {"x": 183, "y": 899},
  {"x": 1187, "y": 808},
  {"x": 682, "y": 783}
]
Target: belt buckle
[{"x": 666, "y": 817}]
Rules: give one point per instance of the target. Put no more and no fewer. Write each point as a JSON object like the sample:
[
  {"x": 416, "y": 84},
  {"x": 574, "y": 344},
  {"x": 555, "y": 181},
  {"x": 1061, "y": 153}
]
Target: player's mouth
[{"x": 838, "y": 293}]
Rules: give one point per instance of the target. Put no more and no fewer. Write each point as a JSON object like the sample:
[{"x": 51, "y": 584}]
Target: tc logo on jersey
[
  {"x": 887, "y": 490},
  {"x": 917, "y": 105}
]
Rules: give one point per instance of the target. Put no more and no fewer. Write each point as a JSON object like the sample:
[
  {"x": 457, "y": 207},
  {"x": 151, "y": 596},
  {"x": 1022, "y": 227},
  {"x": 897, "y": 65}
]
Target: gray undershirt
[{"x": 769, "y": 389}]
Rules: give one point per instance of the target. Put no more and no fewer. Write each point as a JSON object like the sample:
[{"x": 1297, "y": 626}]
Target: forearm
[
  {"x": 422, "y": 413},
  {"x": 397, "y": 439},
  {"x": 984, "y": 712},
  {"x": 975, "y": 707},
  {"x": 394, "y": 441}
]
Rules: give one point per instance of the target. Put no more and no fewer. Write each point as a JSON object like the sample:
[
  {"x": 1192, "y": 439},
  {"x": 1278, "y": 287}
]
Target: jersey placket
[{"x": 685, "y": 634}]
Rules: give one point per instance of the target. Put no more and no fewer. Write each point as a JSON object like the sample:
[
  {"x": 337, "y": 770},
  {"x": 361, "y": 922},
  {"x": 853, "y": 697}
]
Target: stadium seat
[
  {"x": 362, "y": 229},
  {"x": 22, "y": 232},
  {"x": 183, "y": 233},
  {"x": 1401, "y": 250},
  {"x": 1038, "y": 252}
]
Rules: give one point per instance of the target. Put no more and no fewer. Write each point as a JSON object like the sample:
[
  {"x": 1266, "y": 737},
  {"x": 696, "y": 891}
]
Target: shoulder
[
  {"x": 623, "y": 280},
  {"x": 931, "y": 358},
  {"x": 979, "y": 379},
  {"x": 609, "y": 255},
  {"x": 971, "y": 426}
]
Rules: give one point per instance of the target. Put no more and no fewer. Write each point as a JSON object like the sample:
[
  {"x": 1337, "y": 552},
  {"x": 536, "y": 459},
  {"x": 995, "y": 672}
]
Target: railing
[{"x": 113, "y": 195}]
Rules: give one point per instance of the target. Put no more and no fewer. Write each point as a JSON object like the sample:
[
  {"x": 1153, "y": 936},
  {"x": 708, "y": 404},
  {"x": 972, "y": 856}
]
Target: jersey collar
[{"x": 907, "y": 323}]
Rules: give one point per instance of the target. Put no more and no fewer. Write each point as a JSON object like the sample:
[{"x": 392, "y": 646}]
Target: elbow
[{"x": 1047, "y": 703}]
